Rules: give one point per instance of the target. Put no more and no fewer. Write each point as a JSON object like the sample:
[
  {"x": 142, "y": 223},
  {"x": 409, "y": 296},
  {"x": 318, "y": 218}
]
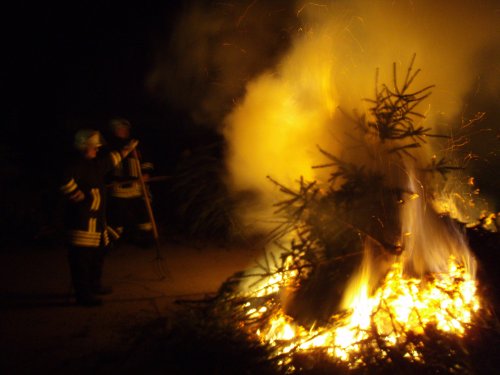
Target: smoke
[
  {"x": 293, "y": 107},
  {"x": 214, "y": 49},
  {"x": 272, "y": 76}
]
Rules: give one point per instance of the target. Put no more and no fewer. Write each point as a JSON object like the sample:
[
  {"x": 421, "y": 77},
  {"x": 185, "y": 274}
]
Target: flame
[
  {"x": 275, "y": 130},
  {"x": 447, "y": 301},
  {"x": 461, "y": 200},
  {"x": 430, "y": 284}
]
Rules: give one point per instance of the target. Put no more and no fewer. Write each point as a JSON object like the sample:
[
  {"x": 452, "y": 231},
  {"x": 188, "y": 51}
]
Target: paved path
[{"x": 43, "y": 331}]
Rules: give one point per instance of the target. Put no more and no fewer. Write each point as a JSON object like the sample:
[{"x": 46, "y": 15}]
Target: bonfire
[{"x": 365, "y": 267}]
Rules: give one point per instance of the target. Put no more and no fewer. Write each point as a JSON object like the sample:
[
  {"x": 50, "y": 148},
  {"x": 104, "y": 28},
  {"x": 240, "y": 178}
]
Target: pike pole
[{"x": 147, "y": 201}]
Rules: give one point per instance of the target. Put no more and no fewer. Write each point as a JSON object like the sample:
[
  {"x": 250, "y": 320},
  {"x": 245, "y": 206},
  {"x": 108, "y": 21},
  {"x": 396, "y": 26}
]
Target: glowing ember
[{"x": 402, "y": 305}]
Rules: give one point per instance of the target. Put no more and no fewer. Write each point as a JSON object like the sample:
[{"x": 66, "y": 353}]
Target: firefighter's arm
[
  {"x": 129, "y": 148},
  {"x": 116, "y": 157},
  {"x": 71, "y": 191}
]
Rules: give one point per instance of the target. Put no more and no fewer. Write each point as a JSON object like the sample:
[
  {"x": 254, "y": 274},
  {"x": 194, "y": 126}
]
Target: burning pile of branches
[
  {"x": 407, "y": 321},
  {"x": 363, "y": 273}
]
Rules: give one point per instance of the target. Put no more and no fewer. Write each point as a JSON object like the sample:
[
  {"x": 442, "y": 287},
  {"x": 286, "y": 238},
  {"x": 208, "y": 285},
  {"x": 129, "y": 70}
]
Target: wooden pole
[{"x": 148, "y": 205}]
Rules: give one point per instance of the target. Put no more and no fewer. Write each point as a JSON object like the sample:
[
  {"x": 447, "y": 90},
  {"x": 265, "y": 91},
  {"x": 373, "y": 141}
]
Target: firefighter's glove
[{"x": 129, "y": 147}]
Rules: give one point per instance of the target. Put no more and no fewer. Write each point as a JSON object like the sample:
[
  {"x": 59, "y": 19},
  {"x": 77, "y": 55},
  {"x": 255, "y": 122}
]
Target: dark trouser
[{"x": 86, "y": 269}]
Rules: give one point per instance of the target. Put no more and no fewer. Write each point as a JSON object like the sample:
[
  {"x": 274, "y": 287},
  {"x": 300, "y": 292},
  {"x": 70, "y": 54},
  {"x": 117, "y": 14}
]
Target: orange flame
[
  {"x": 401, "y": 305},
  {"x": 275, "y": 131}
]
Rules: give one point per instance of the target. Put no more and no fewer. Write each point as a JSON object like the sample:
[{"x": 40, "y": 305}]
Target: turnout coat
[
  {"x": 125, "y": 176},
  {"x": 84, "y": 185}
]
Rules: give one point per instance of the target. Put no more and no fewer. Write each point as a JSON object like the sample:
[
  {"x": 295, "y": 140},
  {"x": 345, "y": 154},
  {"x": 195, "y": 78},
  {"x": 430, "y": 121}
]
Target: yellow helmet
[{"x": 85, "y": 138}]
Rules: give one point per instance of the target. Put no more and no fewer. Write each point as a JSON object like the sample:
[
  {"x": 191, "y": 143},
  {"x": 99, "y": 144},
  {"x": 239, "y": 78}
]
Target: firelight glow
[
  {"x": 276, "y": 129},
  {"x": 401, "y": 305},
  {"x": 300, "y": 104}
]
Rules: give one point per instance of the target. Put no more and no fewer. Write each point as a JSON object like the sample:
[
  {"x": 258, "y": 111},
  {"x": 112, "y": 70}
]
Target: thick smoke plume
[
  {"x": 331, "y": 65},
  {"x": 275, "y": 77}
]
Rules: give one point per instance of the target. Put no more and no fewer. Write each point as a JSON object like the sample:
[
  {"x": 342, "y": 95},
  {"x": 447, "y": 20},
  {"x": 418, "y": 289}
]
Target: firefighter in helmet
[
  {"x": 128, "y": 215},
  {"x": 83, "y": 186}
]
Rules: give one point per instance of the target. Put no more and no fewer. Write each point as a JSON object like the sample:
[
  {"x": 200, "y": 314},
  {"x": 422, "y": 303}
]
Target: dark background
[
  {"x": 72, "y": 65},
  {"x": 69, "y": 66},
  {"x": 76, "y": 65}
]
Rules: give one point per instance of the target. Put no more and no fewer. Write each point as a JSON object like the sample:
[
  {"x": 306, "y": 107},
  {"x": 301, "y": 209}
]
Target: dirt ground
[{"x": 43, "y": 331}]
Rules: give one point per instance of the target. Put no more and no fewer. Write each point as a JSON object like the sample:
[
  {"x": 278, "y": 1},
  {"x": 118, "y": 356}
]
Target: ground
[{"x": 43, "y": 331}]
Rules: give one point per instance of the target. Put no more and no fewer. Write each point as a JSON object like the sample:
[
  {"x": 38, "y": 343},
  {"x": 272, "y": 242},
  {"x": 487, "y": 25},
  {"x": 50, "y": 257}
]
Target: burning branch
[{"x": 347, "y": 228}]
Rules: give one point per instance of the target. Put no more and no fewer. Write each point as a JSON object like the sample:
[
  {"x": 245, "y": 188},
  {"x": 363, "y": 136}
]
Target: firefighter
[
  {"x": 87, "y": 237},
  {"x": 128, "y": 215}
]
